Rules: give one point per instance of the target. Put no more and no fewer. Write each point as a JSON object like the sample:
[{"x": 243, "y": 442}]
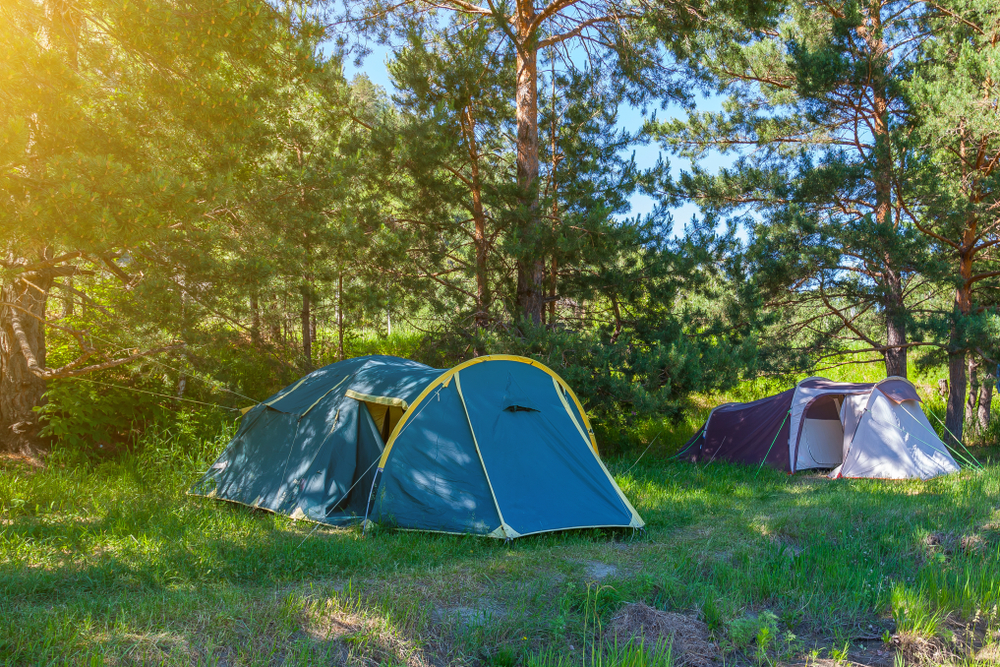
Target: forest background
[{"x": 198, "y": 206}]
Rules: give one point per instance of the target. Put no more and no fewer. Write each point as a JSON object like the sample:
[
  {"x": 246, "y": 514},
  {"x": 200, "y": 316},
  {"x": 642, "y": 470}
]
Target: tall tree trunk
[
  {"x": 553, "y": 287},
  {"x": 956, "y": 393},
  {"x": 68, "y": 302},
  {"x": 971, "y": 402},
  {"x": 254, "y": 319},
  {"x": 957, "y": 350},
  {"x": 306, "y": 328},
  {"x": 985, "y": 402},
  {"x": 554, "y": 272},
  {"x": 20, "y": 389},
  {"x": 894, "y": 307},
  {"x": 479, "y": 217},
  {"x": 895, "y": 327},
  {"x": 531, "y": 264},
  {"x": 340, "y": 316}
]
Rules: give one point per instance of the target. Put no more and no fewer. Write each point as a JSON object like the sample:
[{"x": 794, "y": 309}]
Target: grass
[
  {"x": 109, "y": 562},
  {"x": 112, "y": 563}
]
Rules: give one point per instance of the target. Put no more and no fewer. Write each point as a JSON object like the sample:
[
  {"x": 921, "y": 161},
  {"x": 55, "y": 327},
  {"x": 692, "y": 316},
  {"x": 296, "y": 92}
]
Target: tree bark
[
  {"x": 957, "y": 351},
  {"x": 340, "y": 316},
  {"x": 972, "y": 371},
  {"x": 20, "y": 389},
  {"x": 956, "y": 394},
  {"x": 985, "y": 402},
  {"x": 306, "y": 321},
  {"x": 894, "y": 305},
  {"x": 68, "y": 303},
  {"x": 479, "y": 238},
  {"x": 254, "y": 319},
  {"x": 895, "y": 328},
  {"x": 531, "y": 264}
]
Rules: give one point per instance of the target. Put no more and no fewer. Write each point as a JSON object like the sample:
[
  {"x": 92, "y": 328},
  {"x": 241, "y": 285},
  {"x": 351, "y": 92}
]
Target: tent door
[
  {"x": 822, "y": 440},
  {"x": 369, "y": 446},
  {"x": 385, "y": 417}
]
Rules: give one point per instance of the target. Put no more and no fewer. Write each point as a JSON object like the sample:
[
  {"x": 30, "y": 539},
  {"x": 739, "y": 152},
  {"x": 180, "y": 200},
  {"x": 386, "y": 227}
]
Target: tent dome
[{"x": 498, "y": 446}]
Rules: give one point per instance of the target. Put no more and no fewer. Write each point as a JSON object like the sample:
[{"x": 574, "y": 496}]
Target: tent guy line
[
  {"x": 215, "y": 384},
  {"x": 156, "y": 393}
]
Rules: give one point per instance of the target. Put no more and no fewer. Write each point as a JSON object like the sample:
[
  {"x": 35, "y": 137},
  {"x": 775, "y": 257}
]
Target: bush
[{"x": 88, "y": 420}]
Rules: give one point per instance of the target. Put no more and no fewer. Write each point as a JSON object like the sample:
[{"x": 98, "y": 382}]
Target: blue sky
[{"x": 629, "y": 117}]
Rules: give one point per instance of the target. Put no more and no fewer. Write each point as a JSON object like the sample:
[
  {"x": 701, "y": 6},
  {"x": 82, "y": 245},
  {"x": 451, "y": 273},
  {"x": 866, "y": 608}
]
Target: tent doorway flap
[{"x": 822, "y": 439}]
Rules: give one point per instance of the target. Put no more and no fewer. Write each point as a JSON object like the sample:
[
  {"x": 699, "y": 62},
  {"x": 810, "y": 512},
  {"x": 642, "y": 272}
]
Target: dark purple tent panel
[{"x": 746, "y": 433}]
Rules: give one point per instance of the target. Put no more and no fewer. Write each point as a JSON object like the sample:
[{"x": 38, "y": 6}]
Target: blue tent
[{"x": 497, "y": 446}]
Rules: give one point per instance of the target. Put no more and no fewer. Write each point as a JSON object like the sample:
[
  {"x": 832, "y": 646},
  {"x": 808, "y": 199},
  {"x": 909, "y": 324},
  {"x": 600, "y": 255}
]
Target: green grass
[
  {"x": 109, "y": 562},
  {"x": 113, "y": 564}
]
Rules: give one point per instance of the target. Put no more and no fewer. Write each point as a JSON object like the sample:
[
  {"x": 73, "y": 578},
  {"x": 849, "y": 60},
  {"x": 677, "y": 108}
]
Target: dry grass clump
[
  {"x": 369, "y": 637},
  {"x": 918, "y": 649},
  {"x": 957, "y": 644},
  {"x": 640, "y": 622}
]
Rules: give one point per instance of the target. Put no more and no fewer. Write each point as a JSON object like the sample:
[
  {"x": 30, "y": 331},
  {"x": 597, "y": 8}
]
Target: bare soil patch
[{"x": 640, "y": 622}]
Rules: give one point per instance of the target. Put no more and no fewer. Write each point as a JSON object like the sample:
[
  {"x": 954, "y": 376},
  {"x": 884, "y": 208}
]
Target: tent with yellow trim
[{"x": 497, "y": 446}]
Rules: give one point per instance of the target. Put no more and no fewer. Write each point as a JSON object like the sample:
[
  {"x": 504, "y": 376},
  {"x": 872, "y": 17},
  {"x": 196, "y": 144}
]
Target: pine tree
[
  {"x": 124, "y": 131},
  {"x": 629, "y": 40},
  {"x": 954, "y": 193},
  {"x": 814, "y": 113}
]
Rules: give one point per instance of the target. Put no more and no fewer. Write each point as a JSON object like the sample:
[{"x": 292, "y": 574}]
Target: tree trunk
[
  {"x": 254, "y": 319},
  {"x": 895, "y": 357},
  {"x": 68, "y": 302},
  {"x": 553, "y": 287},
  {"x": 340, "y": 316},
  {"x": 972, "y": 370},
  {"x": 985, "y": 403},
  {"x": 956, "y": 394},
  {"x": 531, "y": 263},
  {"x": 20, "y": 389},
  {"x": 479, "y": 216},
  {"x": 306, "y": 328},
  {"x": 895, "y": 308},
  {"x": 957, "y": 351},
  {"x": 895, "y": 327},
  {"x": 553, "y": 146}
]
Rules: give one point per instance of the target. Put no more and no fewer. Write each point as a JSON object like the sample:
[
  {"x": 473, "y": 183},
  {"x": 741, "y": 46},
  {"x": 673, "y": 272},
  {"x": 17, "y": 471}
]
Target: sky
[{"x": 629, "y": 118}]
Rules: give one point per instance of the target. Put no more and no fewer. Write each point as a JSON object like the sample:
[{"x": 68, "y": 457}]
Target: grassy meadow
[{"x": 110, "y": 563}]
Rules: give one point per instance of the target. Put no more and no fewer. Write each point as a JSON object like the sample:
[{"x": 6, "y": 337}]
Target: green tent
[{"x": 496, "y": 446}]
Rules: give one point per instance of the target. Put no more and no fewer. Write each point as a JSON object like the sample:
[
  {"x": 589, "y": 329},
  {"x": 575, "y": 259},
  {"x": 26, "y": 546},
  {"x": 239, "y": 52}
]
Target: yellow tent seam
[
  {"x": 637, "y": 521},
  {"x": 297, "y": 384},
  {"x": 565, "y": 403},
  {"x": 324, "y": 396},
  {"x": 381, "y": 400},
  {"x": 479, "y": 453}
]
